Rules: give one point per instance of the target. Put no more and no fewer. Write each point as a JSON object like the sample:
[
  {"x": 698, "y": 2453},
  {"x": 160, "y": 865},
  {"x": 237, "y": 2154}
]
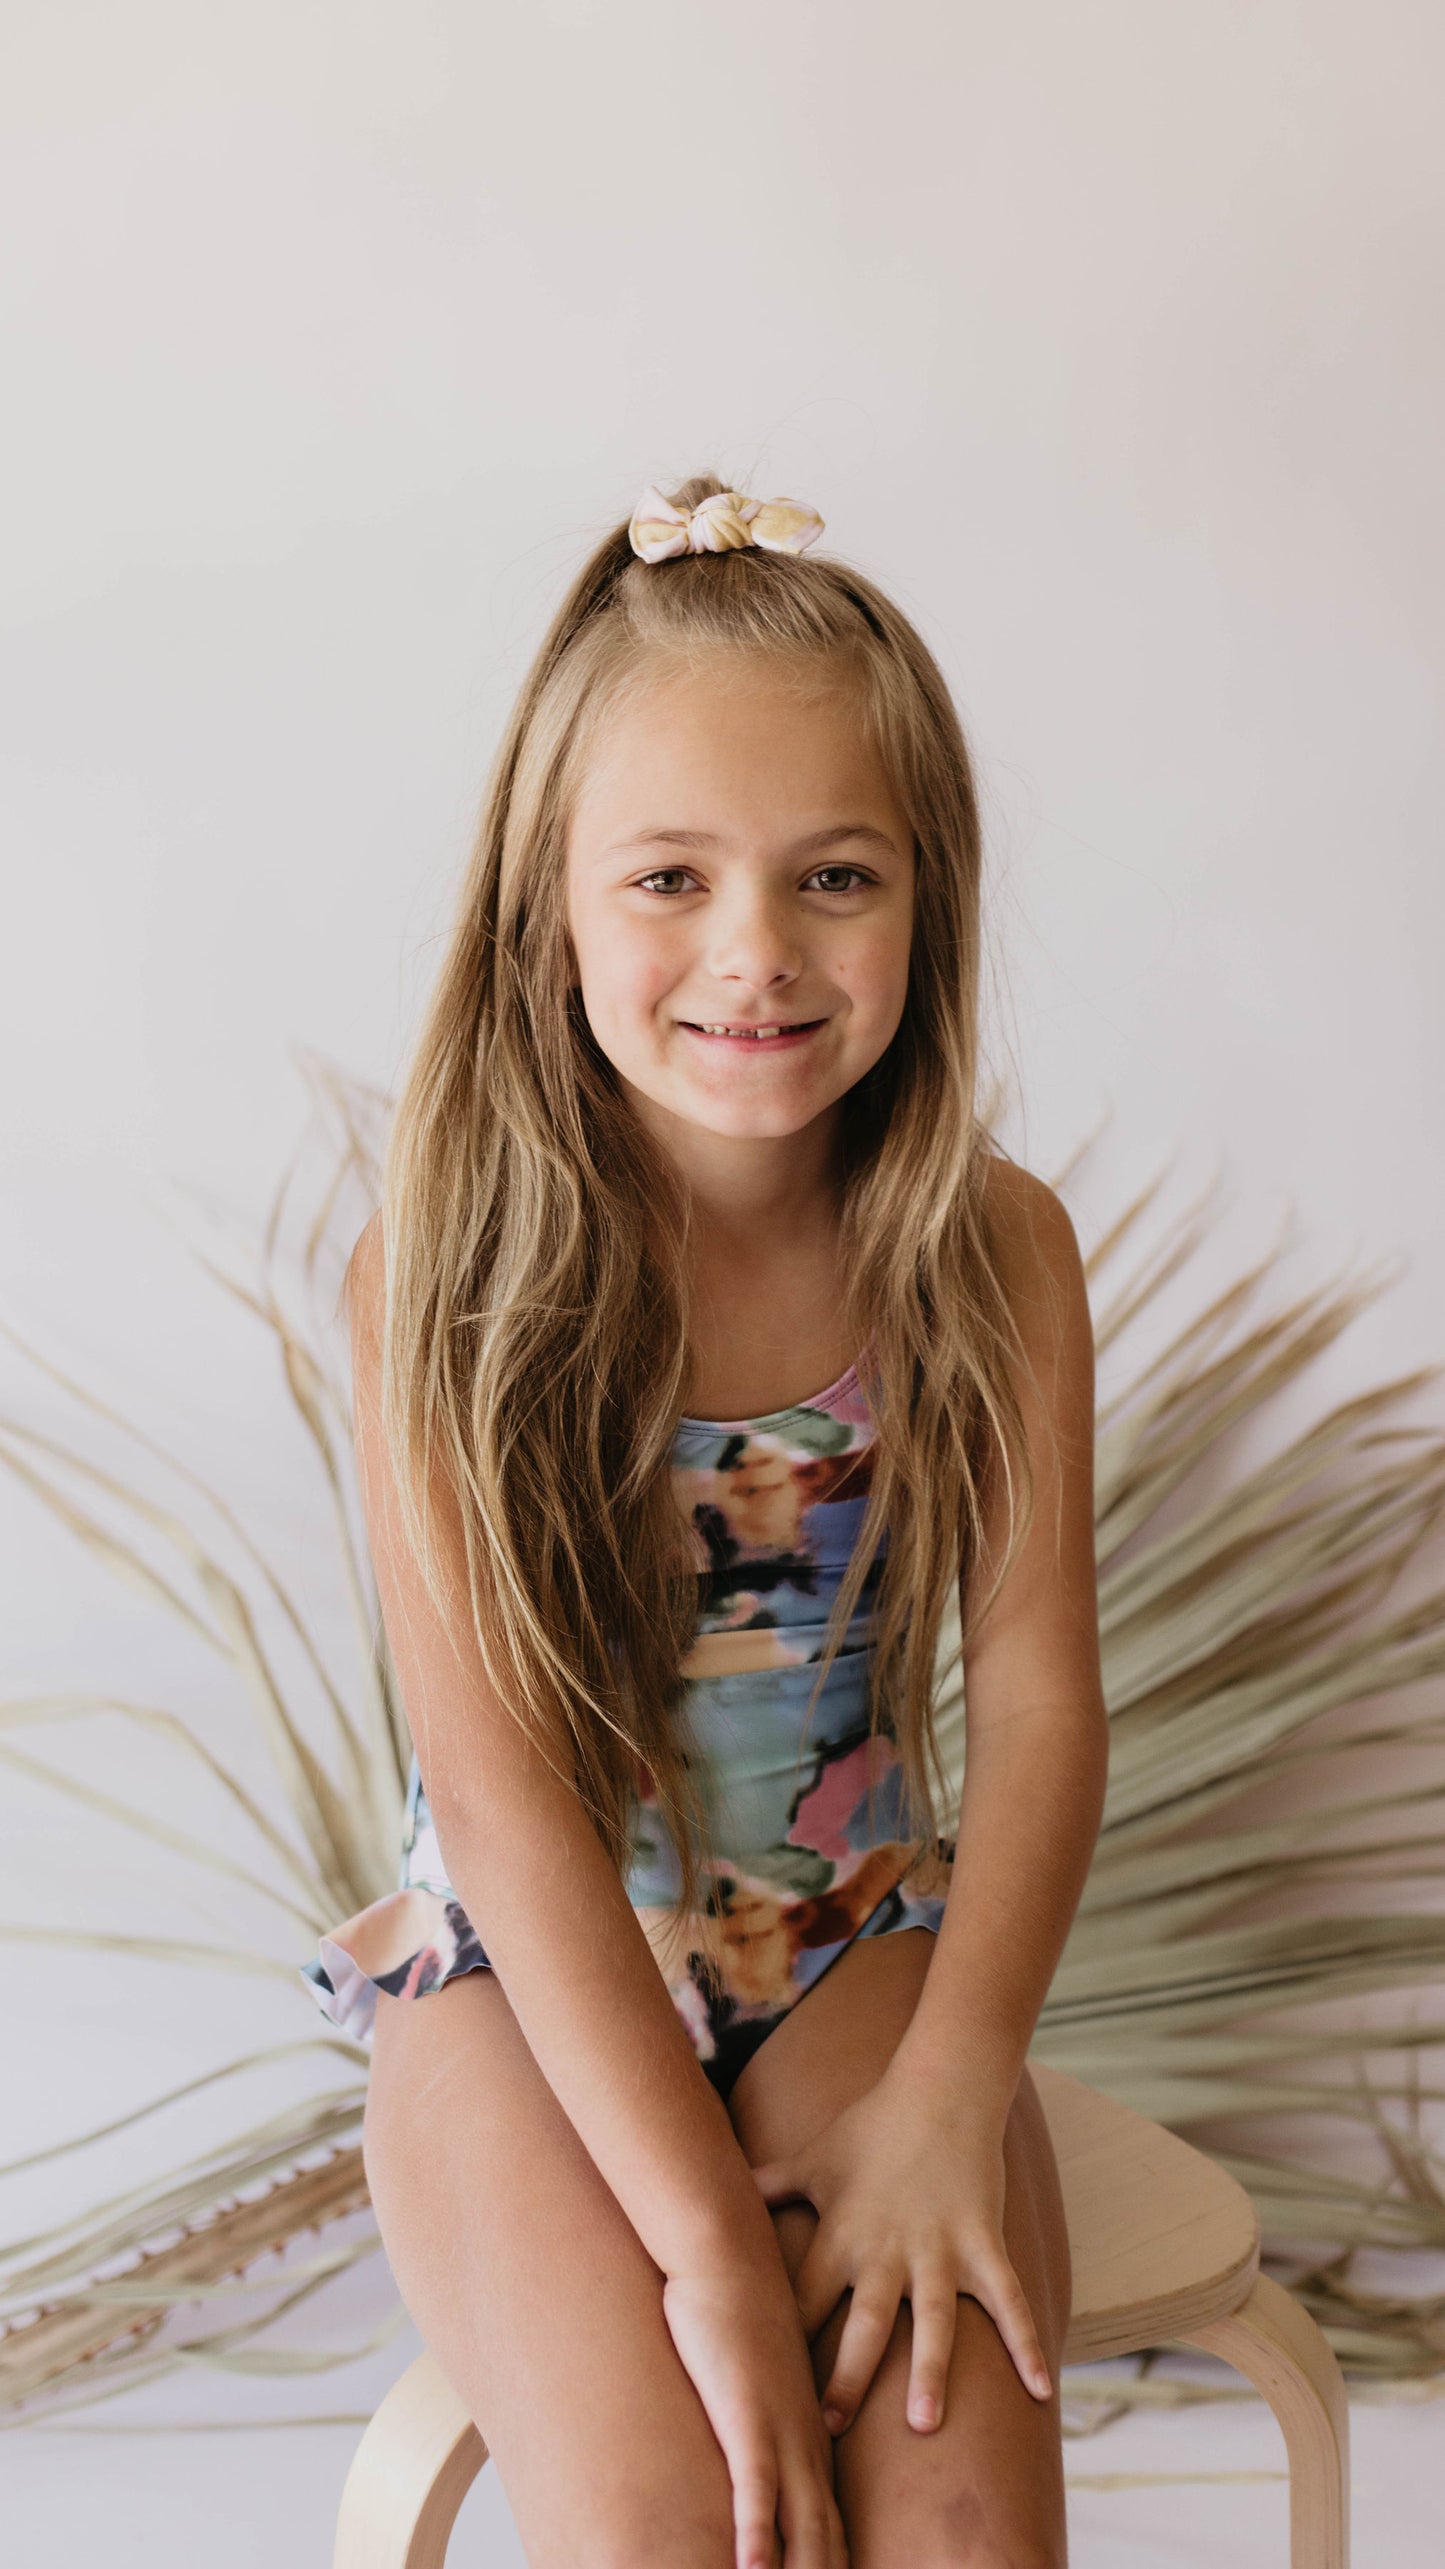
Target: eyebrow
[{"x": 815, "y": 841}]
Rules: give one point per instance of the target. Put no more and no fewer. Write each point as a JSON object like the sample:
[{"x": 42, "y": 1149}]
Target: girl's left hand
[{"x": 908, "y": 2187}]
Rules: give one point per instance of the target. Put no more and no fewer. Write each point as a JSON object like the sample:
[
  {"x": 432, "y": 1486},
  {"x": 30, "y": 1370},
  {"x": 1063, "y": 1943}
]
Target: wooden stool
[{"x": 1165, "y": 2251}]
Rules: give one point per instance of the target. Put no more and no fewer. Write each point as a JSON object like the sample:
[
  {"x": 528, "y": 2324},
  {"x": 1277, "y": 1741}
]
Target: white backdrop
[{"x": 1108, "y": 338}]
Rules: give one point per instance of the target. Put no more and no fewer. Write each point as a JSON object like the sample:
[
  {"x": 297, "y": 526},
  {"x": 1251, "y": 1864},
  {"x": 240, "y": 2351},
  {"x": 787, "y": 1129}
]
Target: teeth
[{"x": 756, "y": 1034}]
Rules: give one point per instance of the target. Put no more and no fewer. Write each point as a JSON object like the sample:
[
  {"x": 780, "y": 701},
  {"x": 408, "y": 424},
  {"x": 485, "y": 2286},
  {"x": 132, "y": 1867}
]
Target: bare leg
[
  {"x": 988, "y": 2485},
  {"x": 535, "y": 2294}
]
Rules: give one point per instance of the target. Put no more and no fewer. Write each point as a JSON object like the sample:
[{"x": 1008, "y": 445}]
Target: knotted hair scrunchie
[{"x": 724, "y": 523}]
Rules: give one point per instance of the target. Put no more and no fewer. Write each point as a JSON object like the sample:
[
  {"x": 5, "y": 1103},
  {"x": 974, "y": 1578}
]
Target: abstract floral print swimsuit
[{"x": 812, "y": 1846}]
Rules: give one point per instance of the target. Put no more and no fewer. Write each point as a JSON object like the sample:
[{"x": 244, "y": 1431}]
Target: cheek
[
  {"x": 623, "y": 974},
  {"x": 893, "y": 959},
  {"x": 876, "y": 980}
]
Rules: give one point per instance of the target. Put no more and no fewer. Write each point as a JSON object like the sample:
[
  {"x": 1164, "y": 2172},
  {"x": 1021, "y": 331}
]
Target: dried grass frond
[{"x": 1240, "y": 1606}]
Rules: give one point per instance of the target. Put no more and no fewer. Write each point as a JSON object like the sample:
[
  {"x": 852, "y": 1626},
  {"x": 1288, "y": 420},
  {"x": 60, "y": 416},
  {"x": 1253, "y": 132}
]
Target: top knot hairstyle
[
  {"x": 535, "y": 1358},
  {"x": 722, "y": 522}
]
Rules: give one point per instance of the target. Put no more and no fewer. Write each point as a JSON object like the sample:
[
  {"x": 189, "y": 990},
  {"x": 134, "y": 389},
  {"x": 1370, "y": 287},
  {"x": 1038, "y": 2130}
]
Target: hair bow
[{"x": 722, "y": 524}]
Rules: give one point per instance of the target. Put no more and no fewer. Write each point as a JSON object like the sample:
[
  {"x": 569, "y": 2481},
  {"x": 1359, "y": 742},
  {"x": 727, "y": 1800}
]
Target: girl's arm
[
  {"x": 581, "y": 1979},
  {"x": 1036, "y": 1722},
  {"x": 911, "y": 2192},
  {"x": 537, "y": 1884}
]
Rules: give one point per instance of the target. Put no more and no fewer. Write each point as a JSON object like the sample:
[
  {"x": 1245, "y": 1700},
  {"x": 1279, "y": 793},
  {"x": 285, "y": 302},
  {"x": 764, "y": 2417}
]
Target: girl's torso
[
  {"x": 808, "y": 1824},
  {"x": 774, "y": 1504}
]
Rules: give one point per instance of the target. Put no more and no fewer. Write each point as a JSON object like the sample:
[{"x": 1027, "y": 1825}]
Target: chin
[{"x": 738, "y": 1126}]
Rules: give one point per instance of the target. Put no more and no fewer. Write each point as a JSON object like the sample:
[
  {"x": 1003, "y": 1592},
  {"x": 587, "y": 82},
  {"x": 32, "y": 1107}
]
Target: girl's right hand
[{"x": 740, "y": 2341}]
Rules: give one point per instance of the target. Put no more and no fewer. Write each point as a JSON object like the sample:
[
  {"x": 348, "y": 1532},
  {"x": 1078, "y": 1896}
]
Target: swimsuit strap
[{"x": 828, "y": 1399}]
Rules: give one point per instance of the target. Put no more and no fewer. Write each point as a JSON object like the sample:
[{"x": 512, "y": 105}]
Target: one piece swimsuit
[{"x": 808, "y": 1828}]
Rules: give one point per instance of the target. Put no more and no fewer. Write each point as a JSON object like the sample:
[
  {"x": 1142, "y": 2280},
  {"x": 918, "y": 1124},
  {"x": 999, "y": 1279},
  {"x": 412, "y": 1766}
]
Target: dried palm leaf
[{"x": 1217, "y": 1945}]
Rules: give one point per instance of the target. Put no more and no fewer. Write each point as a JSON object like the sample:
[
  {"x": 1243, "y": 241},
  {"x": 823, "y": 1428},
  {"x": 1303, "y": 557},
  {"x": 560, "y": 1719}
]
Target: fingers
[
  {"x": 780, "y": 2182},
  {"x": 1007, "y": 2304},
  {"x": 792, "y": 2496},
  {"x": 755, "y": 2507},
  {"x": 808, "y": 2516},
  {"x": 821, "y": 2281},
  {"x": 934, "y": 2301},
  {"x": 862, "y": 2346}
]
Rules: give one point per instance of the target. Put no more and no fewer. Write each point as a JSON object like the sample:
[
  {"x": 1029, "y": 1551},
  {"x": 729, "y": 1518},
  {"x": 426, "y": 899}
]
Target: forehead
[{"x": 733, "y": 745}]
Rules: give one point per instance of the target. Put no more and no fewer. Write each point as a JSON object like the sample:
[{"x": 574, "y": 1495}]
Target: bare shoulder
[
  {"x": 1032, "y": 1239},
  {"x": 363, "y": 1290},
  {"x": 367, "y": 1264},
  {"x": 1041, "y": 1273}
]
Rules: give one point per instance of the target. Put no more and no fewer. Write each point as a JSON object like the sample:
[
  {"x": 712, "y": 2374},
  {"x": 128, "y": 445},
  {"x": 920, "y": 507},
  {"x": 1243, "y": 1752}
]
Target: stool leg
[
  {"x": 1276, "y": 2345},
  {"x": 411, "y": 2471}
]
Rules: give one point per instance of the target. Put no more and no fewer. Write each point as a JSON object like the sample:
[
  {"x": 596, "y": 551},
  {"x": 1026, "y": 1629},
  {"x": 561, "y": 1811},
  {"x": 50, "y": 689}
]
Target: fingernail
[
  {"x": 925, "y": 2412},
  {"x": 834, "y": 2420},
  {"x": 1042, "y": 2385}
]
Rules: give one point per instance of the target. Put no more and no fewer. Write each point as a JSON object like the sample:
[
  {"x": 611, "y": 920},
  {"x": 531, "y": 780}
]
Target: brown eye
[
  {"x": 850, "y": 873},
  {"x": 668, "y": 878}
]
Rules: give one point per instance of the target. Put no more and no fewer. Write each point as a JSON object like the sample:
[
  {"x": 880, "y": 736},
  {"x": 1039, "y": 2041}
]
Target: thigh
[
  {"x": 534, "y": 2293},
  {"x": 988, "y": 2484}
]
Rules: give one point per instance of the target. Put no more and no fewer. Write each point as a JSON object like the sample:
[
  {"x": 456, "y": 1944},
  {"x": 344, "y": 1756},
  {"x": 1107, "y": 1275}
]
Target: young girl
[{"x": 704, "y": 1346}]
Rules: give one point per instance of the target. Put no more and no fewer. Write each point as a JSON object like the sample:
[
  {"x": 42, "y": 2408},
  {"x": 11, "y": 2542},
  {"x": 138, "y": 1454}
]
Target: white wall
[{"x": 1107, "y": 336}]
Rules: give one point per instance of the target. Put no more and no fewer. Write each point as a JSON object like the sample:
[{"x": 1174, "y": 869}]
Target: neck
[{"x": 753, "y": 1199}]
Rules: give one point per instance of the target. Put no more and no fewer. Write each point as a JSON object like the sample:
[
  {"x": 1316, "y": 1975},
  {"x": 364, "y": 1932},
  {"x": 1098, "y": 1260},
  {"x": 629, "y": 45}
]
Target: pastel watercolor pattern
[{"x": 812, "y": 1843}]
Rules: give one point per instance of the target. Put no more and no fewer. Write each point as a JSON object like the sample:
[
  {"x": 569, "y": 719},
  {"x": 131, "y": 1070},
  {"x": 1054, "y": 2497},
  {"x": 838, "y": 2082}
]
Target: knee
[
  {"x": 1025, "y": 2550},
  {"x": 642, "y": 2537},
  {"x": 648, "y": 2509},
  {"x": 995, "y": 2550},
  {"x": 966, "y": 2534}
]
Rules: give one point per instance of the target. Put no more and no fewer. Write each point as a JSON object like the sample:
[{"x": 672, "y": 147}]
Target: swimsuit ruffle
[
  {"x": 806, "y": 1803},
  {"x": 408, "y": 1943}
]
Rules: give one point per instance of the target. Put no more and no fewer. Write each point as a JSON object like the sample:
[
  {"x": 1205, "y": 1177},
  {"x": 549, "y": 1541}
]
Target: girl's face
[{"x": 740, "y": 898}]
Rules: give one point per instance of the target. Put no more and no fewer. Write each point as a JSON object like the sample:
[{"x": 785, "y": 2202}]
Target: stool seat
[
  {"x": 1162, "y": 2241},
  {"x": 1165, "y": 2250}
]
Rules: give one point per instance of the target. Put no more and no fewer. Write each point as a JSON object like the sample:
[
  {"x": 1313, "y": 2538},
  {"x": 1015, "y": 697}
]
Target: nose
[{"x": 753, "y": 941}]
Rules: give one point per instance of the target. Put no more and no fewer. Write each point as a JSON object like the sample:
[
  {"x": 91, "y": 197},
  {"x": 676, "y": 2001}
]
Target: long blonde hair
[{"x": 536, "y": 1348}]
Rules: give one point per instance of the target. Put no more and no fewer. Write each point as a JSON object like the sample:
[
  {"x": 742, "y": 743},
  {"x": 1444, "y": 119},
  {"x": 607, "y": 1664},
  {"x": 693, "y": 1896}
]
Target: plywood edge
[
  {"x": 1159, "y": 2318},
  {"x": 410, "y": 2473}
]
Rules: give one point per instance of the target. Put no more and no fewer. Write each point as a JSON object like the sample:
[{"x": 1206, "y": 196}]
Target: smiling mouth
[{"x": 777, "y": 1033}]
